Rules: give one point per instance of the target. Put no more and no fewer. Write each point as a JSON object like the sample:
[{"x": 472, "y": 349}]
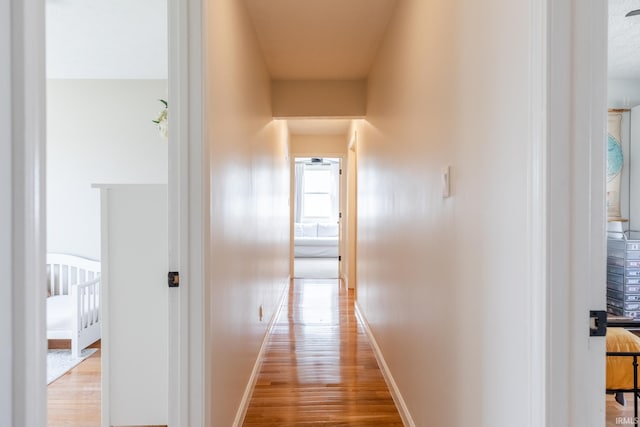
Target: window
[{"x": 316, "y": 199}]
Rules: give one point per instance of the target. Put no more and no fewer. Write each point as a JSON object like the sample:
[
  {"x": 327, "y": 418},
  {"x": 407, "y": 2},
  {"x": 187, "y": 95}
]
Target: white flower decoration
[{"x": 162, "y": 121}]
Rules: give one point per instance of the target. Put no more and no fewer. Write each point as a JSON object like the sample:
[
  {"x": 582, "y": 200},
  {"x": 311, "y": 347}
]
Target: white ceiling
[
  {"x": 320, "y": 39},
  {"x": 624, "y": 40},
  {"x": 106, "y": 39}
]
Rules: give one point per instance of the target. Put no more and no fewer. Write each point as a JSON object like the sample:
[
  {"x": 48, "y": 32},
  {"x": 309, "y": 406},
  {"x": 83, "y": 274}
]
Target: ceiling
[
  {"x": 311, "y": 39},
  {"x": 624, "y": 40},
  {"x": 320, "y": 39},
  {"x": 127, "y": 39}
]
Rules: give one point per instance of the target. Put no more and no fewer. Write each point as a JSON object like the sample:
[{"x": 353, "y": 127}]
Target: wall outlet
[{"x": 445, "y": 175}]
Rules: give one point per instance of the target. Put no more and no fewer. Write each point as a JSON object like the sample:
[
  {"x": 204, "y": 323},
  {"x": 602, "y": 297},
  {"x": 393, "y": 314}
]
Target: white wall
[
  {"x": 623, "y": 93},
  {"x": 247, "y": 249},
  {"x": 438, "y": 279},
  {"x": 98, "y": 131}
]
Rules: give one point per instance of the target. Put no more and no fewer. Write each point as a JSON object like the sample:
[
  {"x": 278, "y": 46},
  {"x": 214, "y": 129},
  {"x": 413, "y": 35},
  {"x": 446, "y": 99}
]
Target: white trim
[
  {"x": 6, "y": 226},
  {"x": 536, "y": 280},
  {"x": 588, "y": 219},
  {"x": 253, "y": 378},
  {"x": 189, "y": 384},
  {"x": 576, "y": 106},
  {"x": 178, "y": 212},
  {"x": 25, "y": 62},
  {"x": 403, "y": 410},
  {"x": 342, "y": 248},
  {"x": 105, "y": 359},
  {"x": 557, "y": 280},
  {"x": 195, "y": 381}
]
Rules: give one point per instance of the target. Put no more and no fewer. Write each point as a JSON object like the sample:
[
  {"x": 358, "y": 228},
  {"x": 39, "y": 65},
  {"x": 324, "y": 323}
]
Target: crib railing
[
  {"x": 79, "y": 278},
  {"x": 64, "y": 271},
  {"x": 86, "y": 297}
]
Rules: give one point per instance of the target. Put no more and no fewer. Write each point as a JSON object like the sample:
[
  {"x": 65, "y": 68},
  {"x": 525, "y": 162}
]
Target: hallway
[{"x": 319, "y": 368}]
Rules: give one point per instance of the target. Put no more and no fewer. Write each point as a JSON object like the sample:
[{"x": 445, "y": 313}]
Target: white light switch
[{"x": 446, "y": 184}]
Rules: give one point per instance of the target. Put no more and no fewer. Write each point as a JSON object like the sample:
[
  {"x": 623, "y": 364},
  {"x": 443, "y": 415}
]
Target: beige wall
[
  {"x": 303, "y": 145},
  {"x": 319, "y": 98},
  {"x": 248, "y": 245},
  {"x": 438, "y": 279}
]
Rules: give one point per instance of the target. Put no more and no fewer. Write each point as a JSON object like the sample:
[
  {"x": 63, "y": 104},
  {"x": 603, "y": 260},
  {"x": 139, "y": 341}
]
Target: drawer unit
[{"x": 623, "y": 274}]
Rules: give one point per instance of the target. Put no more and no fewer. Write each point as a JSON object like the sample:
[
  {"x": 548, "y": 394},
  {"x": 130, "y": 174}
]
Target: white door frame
[
  {"x": 22, "y": 214},
  {"x": 572, "y": 208},
  {"x": 189, "y": 383},
  {"x": 564, "y": 236},
  {"x": 342, "y": 188}
]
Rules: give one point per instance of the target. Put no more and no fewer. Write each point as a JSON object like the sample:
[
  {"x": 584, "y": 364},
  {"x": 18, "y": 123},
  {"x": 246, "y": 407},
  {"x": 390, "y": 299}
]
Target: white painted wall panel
[{"x": 135, "y": 338}]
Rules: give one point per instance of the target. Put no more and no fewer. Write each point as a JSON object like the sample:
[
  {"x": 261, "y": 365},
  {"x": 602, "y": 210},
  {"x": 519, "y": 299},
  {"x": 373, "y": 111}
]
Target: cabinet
[{"x": 623, "y": 274}]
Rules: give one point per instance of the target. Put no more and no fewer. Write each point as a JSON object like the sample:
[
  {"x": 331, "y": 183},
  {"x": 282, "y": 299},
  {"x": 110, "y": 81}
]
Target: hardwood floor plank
[
  {"x": 73, "y": 400},
  {"x": 617, "y": 414},
  {"x": 319, "y": 368}
]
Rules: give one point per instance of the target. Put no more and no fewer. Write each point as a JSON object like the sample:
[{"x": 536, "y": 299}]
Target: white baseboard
[
  {"x": 246, "y": 397},
  {"x": 386, "y": 373}
]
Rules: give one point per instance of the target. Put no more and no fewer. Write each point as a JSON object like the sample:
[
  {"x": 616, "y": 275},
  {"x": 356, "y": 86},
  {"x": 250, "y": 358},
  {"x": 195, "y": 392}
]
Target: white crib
[{"x": 73, "y": 305}]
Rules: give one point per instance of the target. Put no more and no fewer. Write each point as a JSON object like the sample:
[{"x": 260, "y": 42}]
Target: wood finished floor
[
  {"x": 319, "y": 369},
  {"x": 615, "y": 410},
  {"x": 73, "y": 400}
]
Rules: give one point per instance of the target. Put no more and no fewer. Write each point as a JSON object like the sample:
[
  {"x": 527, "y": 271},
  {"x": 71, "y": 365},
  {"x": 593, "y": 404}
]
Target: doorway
[
  {"x": 316, "y": 217},
  {"x": 623, "y": 207},
  {"x": 100, "y": 130}
]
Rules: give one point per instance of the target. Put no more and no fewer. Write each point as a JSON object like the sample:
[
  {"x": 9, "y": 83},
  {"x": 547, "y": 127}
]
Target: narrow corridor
[{"x": 319, "y": 368}]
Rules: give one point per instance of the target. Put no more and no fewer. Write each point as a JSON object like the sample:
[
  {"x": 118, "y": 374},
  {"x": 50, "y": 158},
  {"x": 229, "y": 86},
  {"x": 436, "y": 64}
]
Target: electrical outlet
[{"x": 446, "y": 181}]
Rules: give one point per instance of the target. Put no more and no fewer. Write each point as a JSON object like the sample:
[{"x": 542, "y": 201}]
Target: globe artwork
[{"x": 614, "y": 157}]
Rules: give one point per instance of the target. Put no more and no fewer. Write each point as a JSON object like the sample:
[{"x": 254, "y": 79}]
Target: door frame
[
  {"x": 189, "y": 382},
  {"x": 569, "y": 84},
  {"x": 342, "y": 188},
  {"x": 23, "y": 392}
]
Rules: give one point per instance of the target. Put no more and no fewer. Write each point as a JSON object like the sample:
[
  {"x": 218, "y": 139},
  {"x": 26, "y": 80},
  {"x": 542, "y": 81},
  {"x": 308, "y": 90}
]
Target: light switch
[{"x": 446, "y": 184}]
